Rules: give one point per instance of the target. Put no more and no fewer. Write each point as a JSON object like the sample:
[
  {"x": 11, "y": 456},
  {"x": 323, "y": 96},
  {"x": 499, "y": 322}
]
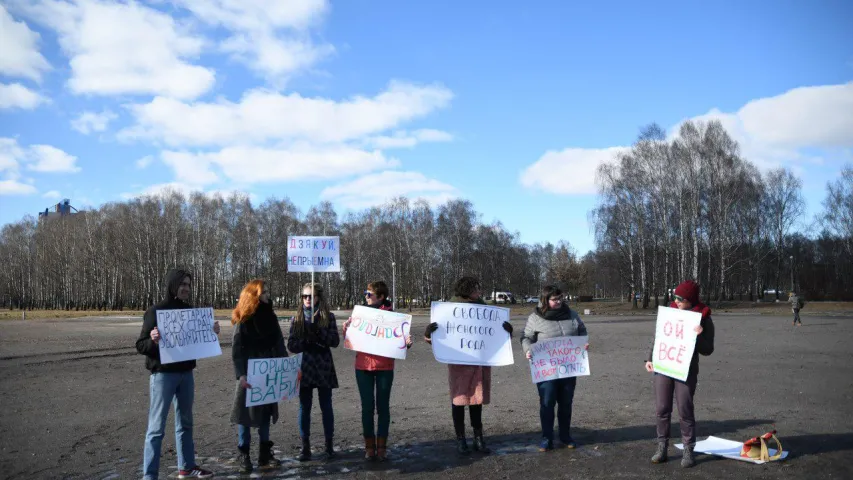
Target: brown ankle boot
[
  {"x": 369, "y": 449},
  {"x": 381, "y": 448}
]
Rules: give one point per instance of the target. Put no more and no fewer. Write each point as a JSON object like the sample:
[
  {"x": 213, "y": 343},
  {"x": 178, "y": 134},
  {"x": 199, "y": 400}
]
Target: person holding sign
[
  {"x": 375, "y": 373},
  {"x": 470, "y": 385},
  {"x": 686, "y": 298},
  {"x": 553, "y": 318},
  {"x": 314, "y": 337},
  {"x": 256, "y": 335},
  {"x": 168, "y": 382}
]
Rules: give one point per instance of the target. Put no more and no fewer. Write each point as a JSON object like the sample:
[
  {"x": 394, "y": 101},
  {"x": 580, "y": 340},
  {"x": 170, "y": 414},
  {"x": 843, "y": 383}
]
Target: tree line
[
  {"x": 694, "y": 207},
  {"x": 689, "y": 207}
]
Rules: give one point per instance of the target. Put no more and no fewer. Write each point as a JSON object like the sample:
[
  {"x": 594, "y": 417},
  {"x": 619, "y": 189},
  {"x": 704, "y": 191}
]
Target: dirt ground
[{"x": 75, "y": 398}]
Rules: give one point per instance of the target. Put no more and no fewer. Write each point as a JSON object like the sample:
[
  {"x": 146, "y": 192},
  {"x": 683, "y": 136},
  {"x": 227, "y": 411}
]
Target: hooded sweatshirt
[{"x": 144, "y": 344}]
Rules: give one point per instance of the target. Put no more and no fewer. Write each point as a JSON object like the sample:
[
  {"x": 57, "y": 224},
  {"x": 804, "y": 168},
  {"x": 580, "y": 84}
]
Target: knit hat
[{"x": 688, "y": 290}]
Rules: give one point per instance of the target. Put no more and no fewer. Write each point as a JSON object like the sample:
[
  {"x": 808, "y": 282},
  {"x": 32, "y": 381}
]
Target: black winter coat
[
  {"x": 144, "y": 344},
  {"x": 315, "y": 344}
]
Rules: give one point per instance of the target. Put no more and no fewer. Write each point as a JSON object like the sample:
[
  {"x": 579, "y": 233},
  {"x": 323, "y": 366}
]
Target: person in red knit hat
[{"x": 686, "y": 298}]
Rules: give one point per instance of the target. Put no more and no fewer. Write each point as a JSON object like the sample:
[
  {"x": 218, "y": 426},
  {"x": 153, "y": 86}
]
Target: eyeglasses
[
  {"x": 369, "y": 294},
  {"x": 679, "y": 299},
  {"x": 304, "y": 296},
  {"x": 556, "y": 299}
]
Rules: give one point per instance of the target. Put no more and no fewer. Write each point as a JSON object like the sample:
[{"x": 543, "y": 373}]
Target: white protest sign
[
  {"x": 313, "y": 254},
  {"x": 187, "y": 334},
  {"x": 470, "y": 334},
  {"x": 273, "y": 379},
  {"x": 379, "y": 332},
  {"x": 675, "y": 340},
  {"x": 559, "y": 357}
]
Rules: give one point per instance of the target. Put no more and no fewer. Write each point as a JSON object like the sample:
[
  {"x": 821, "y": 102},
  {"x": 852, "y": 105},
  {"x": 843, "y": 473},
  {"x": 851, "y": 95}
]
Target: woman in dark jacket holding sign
[
  {"x": 314, "y": 338},
  {"x": 553, "y": 318},
  {"x": 470, "y": 385},
  {"x": 686, "y": 298},
  {"x": 256, "y": 335}
]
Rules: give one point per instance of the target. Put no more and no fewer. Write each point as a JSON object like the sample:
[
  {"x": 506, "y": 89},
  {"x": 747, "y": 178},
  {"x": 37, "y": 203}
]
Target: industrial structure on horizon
[{"x": 61, "y": 209}]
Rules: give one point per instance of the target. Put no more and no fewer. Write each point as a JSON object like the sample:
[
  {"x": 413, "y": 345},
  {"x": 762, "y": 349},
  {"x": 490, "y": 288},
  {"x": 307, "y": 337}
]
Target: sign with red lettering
[
  {"x": 675, "y": 340},
  {"x": 313, "y": 254},
  {"x": 378, "y": 332},
  {"x": 559, "y": 357},
  {"x": 470, "y": 334}
]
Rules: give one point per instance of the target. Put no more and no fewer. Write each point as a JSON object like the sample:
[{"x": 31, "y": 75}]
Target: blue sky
[{"x": 511, "y": 107}]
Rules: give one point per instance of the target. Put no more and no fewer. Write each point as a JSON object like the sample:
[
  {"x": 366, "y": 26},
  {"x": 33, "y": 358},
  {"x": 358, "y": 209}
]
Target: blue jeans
[
  {"x": 244, "y": 434},
  {"x": 306, "y": 398},
  {"x": 166, "y": 388},
  {"x": 552, "y": 393}
]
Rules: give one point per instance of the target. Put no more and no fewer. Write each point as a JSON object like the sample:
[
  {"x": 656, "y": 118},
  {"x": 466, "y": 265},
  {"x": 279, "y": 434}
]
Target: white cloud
[
  {"x": 783, "y": 130},
  {"x": 124, "y": 48},
  {"x": 263, "y": 115},
  {"x": 144, "y": 162},
  {"x": 16, "y": 95},
  {"x": 261, "y": 165},
  {"x": 189, "y": 168},
  {"x": 162, "y": 189},
  {"x": 52, "y": 194},
  {"x": 89, "y": 122},
  {"x": 271, "y": 37},
  {"x": 19, "y": 56},
  {"x": 403, "y": 139},
  {"x": 10, "y": 154},
  {"x": 50, "y": 159},
  {"x": 13, "y": 187},
  {"x": 569, "y": 172},
  {"x": 376, "y": 189}
]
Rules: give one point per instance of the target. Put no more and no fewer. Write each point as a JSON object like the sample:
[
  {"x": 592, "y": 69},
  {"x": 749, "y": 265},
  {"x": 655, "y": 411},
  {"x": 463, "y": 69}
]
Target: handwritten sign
[
  {"x": 187, "y": 334},
  {"x": 378, "y": 332},
  {"x": 273, "y": 379},
  {"x": 313, "y": 254},
  {"x": 470, "y": 334},
  {"x": 675, "y": 340},
  {"x": 559, "y": 357}
]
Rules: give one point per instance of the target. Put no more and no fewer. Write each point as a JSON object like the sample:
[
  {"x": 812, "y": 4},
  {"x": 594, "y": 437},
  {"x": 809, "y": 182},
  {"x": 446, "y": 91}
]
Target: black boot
[
  {"x": 305, "y": 453},
  {"x": 479, "y": 443},
  {"x": 330, "y": 449},
  {"x": 462, "y": 446},
  {"x": 245, "y": 460},
  {"x": 266, "y": 457}
]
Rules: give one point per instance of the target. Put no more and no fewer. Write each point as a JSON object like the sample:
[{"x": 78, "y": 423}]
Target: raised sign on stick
[
  {"x": 273, "y": 379},
  {"x": 675, "y": 340},
  {"x": 313, "y": 254},
  {"x": 470, "y": 334},
  {"x": 378, "y": 332},
  {"x": 559, "y": 357},
  {"x": 187, "y": 334}
]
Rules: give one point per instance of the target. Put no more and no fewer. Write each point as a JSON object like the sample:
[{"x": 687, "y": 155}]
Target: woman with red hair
[
  {"x": 256, "y": 335},
  {"x": 686, "y": 298}
]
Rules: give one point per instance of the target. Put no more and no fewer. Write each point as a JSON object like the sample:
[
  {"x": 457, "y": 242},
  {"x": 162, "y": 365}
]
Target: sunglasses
[
  {"x": 304, "y": 296},
  {"x": 369, "y": 294},
  {"x": 679, "y": 299}
]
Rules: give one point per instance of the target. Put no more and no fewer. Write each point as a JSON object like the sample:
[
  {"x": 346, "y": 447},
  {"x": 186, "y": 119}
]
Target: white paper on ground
[{"x": 727, "y": 448}]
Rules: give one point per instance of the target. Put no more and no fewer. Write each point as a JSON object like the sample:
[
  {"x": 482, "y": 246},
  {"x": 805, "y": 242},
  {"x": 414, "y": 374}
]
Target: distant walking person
[
  {"x": 470, "y": 385},
  {"x": 375, "y": 373},
  {"x": 256, "y": 335},
  {"x": 796, "y": 305},
  {"x": 169, "y": 383},
  {"x": 315, "y": 338},
  {"x": 686, "y": 298}
]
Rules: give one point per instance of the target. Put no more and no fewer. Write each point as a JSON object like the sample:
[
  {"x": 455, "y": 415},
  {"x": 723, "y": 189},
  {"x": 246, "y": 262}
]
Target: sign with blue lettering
[
  {"x": 272, "y": 380},
  {"x": 187, "y": 334},
  {"x": 313, "y": 254},
  {"x": 470, "y": 334}
]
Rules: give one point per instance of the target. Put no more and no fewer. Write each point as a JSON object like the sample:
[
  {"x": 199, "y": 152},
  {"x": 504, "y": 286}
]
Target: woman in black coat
[{"x": 256, "y": 335}]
